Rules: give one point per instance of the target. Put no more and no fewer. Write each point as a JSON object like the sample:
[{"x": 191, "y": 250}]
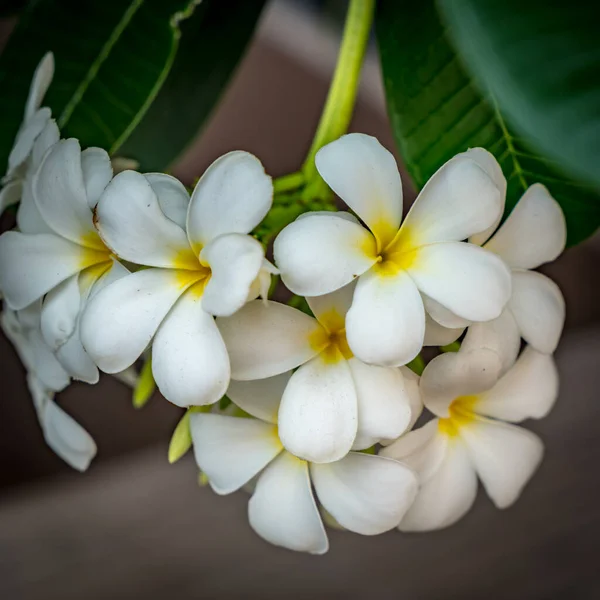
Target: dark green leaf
[
  {"x": 211, "y": 45},
  {"x": 111, "y": 59},
  {"x": 436, "y": 111},
  {"x": 541, "y": 60}
]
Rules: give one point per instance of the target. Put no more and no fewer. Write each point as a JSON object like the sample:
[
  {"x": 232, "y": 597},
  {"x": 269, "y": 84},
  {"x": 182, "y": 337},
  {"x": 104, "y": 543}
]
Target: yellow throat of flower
[
  {"x": 329, "y": 339},
  {"x": 461, "y": 414}
]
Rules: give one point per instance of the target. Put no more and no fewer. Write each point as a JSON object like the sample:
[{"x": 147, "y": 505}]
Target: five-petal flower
[
  {"x": 333, "y": 402},
  {"x": 396, "y": 263},
  {"x": 202, "y": 263},
  {"x": 364, "y": 493},
  {"x": 471, "y": 435}
]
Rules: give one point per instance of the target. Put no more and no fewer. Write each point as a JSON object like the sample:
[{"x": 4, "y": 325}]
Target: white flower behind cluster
[
  {"x": 35, "y": 121},
  {"x": 103, "y": 270}
]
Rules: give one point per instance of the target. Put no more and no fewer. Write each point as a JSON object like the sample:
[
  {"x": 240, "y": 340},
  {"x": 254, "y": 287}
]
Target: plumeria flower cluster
[{"x": 326, "y": 421}]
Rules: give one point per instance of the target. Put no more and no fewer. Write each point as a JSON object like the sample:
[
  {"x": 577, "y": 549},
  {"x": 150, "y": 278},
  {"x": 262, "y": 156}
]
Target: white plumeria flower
[
  {"x": 45, "y": 377},
  {"x": 534, "y": 233},
  {"x": 202, "y": 262},
  {"x": 364, "y": 493},
  {"x": 334, "y": 402},
  {"x": 320, "y": 253},
  {"x": 59, "y": 254},
  {"x": 34, "y": 122},
  {"x": 471, "y": 436}
]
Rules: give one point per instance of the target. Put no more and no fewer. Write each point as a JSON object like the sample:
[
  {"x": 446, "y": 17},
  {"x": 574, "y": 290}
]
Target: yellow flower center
[
  {"x": 461, "y": 414},
  {"x": 398, "y": 255},
  {"x": 329, "y": 339}
]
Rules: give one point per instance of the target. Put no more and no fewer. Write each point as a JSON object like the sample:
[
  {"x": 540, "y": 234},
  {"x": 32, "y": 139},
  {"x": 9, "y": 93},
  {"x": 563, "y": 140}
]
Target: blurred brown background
[{"x": 135, "y": 527}]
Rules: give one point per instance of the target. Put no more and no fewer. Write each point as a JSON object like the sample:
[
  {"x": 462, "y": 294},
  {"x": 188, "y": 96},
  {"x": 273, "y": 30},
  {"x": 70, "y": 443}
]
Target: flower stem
[{"x": 341, "y": 98}]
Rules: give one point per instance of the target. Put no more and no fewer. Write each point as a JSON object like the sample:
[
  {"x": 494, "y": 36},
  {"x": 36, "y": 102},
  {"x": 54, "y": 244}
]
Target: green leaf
[
  {"x": 212, "y": 43},
  {"x": 145, "y": 386},
  {"x": 436, "y": 111},
  {"x": 541, "y": 60},
  {"x": 111, "y": 59},
  {"x": 181, "y": 440}
]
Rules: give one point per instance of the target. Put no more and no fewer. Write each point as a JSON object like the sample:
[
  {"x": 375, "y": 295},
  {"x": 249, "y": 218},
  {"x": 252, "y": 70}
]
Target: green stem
[
  {"x": 417, "y": 365},
  {"x": 288, "y": 183},
  {"x": 344, "y": 86},
  {"x": 453, "y": 347}
]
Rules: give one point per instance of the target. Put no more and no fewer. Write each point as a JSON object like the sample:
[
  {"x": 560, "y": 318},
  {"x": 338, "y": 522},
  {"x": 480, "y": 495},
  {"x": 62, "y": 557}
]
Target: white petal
[
  {"x": 528, "y": 390},
  {"x": 332, "y": 306},
  {"x": 282, "y": 509},
  {"x": 320, "y": 254},
  {"x": 60, "y": 194},
  {"x": 60, "y": 312},
  {"x": 63, "y": 434},
  {"x": 119, "y": 322},
  {"x": 538, "y": 307},
  {"x": 441, "y": 315},
  {"x": 318, "y": 412},
  {"x": 31, "y": 265},
  {"x": 131, "y": 222},
  {"x": 459, "y": 200},
  {"x": 447, "y": 495},
  {"x": 25, "y": 140},
  {"x": 47, "y": 138},
  {"x": 44, "y": 364},
  {"x": 456, "y": 374},
  {"x": 230, "y": 450},
  {"x": 260, "y": 398},
  {"x": 233, "y": 196},
  {"x": 29, "y": 219},
  {"x": 235, "y": 260},
  {"x": 487, "y": 161},
  {"x": 437, "y": 335},
  {"x": 172, "y": 196},
  {"x": 500, "y": 335},
  {"x": 97, "y": 172},
  {"x": 411, "y": 383},
  {"x": 113, "y": 273},
  {"x": 384, "y": 410},
  {"x": 422, "y": 450},
  {"x": 469, "y": 281},
  {"x": 76, "y": 361},
  {"x": 266, "y": 340},
  {"x": 386, "y": 323},
  {"x": 189, "y": 358},
  {"x": 365, "y": 176},
  {"x": 42, "y": 78},
  {"x": 342, "y": 214},
  {"x": 364, "y": 493},
  {"x": 534, "y": 233},
  {"x": 10, "y": 194},
  {"x": 504, "y": 456}
]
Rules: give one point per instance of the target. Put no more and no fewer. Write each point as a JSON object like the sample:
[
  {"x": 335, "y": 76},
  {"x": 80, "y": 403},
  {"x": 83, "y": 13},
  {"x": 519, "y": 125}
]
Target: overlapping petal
[
  {"x": 189, "y": 358},
  {"x": 120, "y": 320},
  {"x": 97, "y": 173},
  {"x": 528, "y": 390},
  {"x": 60, "y": 194},
  {"x": 364, "y": 493},
  {"x": 31, "y": 265},
  {"x": 172, "y": 196},
  {"x": 259, "y": 398},
  {"x": 233, "y": 196},
  {"x": 319, "y": 254},
  {"x": 60, "y": 312},
  {"x": 235, "y": 261},
  {"x": 40, "y": 83},
  {"x": 455, "y": 374},
  {"x": 384, "y": 408},
  {"x": 538, "y": 307},
  {"x": 132, "y": 224},
  {"x": 504, "y": 456},
  {"x": 469, "y": 281},
  {"x": 460, "y": 199},
  {"x": 365, "y": 176},
  {"x": 318, "y": 411},
  {"x": 264, "y": 340},
  {"x": 282, "y": 509},
  {"x": 534, "y": 233},
  {"x": 386, "y": 323},
  {"x": 230, "y": 450}
]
